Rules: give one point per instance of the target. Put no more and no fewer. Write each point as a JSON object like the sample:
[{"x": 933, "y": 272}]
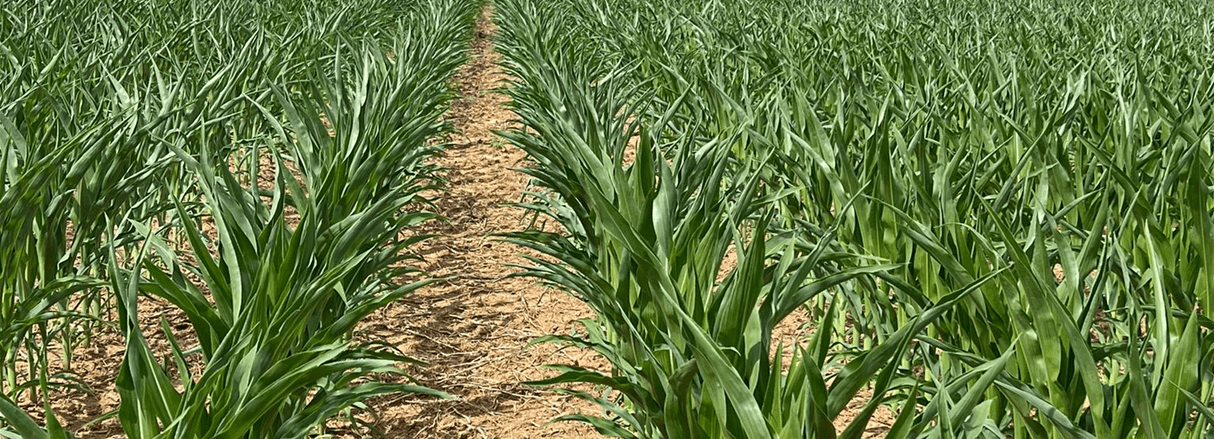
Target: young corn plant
[
  {"x": 278, "y": 359},
  {"x": 61, "y": 184}
]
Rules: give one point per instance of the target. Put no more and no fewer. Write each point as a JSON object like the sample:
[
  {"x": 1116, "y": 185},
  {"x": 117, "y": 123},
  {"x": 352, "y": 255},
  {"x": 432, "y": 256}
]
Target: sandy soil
[{"x": 474, "y": 329}]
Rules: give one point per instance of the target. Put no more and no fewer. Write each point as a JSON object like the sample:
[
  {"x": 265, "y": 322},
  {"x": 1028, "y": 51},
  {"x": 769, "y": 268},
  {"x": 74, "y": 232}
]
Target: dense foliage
[
  {"x": 997, "y": 213},
  {"x": 252, "y": 163}
]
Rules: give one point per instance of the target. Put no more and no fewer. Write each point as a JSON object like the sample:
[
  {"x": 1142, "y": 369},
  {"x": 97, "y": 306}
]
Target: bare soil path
[{"x": 474, "y": 329}]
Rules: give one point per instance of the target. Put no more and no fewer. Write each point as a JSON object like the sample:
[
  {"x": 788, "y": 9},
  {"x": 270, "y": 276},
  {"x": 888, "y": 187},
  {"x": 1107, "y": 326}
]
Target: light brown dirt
[{"x": 474, "y": 329}]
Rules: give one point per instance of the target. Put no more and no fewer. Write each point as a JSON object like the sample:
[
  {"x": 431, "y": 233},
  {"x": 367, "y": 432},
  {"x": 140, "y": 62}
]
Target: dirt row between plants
[{"x": 474, "y": 329}]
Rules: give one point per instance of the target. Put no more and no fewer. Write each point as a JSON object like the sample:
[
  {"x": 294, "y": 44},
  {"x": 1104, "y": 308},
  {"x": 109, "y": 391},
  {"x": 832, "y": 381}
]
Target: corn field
[
  {"x": 991, "y": 219},
  {"x": 133, "y": 138}
]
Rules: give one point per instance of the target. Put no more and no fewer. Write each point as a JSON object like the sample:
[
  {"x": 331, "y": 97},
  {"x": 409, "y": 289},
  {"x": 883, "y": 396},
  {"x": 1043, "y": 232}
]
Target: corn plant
[
  {"x": 58, "y": 191},
  {"x": 275, "y": 343}
]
